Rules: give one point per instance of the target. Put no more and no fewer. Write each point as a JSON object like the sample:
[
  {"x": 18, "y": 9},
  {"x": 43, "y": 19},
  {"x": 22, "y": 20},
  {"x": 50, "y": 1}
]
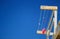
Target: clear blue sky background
[{"x": 19, "y": 18}]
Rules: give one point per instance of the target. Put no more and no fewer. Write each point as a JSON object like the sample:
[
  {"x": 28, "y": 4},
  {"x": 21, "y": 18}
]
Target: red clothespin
[{"x": 43, "y": 31}]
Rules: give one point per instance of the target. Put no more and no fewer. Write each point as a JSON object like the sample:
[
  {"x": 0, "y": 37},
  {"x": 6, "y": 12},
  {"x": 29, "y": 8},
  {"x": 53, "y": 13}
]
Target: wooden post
[{"x": 54, "y": 9}]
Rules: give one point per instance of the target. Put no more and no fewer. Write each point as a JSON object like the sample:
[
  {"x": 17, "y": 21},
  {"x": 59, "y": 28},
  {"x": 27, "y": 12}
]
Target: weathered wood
[
  {"x": 40, "y": 32},
  {"x": 58, "y": 36},
  {"x": 48, "y": 7}
]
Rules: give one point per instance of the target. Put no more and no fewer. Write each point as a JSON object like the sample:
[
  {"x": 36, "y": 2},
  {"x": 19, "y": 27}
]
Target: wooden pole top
[{"x": 48, "y": 7}]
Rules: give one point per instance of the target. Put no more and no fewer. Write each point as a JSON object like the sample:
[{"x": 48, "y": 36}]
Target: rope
[
  {"x": 39, "y": 24},
  {"x": 50, "y": 26},
  {"x": 46, "y": 16},
  {"x": 50, "y": 29},
  {"x": 42, "y": 15},
  {"x": 50, "y": 21}
]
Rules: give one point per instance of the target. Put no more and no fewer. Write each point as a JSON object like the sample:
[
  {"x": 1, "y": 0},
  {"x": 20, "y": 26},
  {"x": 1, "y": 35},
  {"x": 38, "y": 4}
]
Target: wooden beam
[
  {"x": 40, "y": 32},
  {"x": 48, "y": 7}
]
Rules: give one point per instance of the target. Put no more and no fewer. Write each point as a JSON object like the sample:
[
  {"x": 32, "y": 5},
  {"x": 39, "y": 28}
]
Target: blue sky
[{"x": 19, "y": 18}]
